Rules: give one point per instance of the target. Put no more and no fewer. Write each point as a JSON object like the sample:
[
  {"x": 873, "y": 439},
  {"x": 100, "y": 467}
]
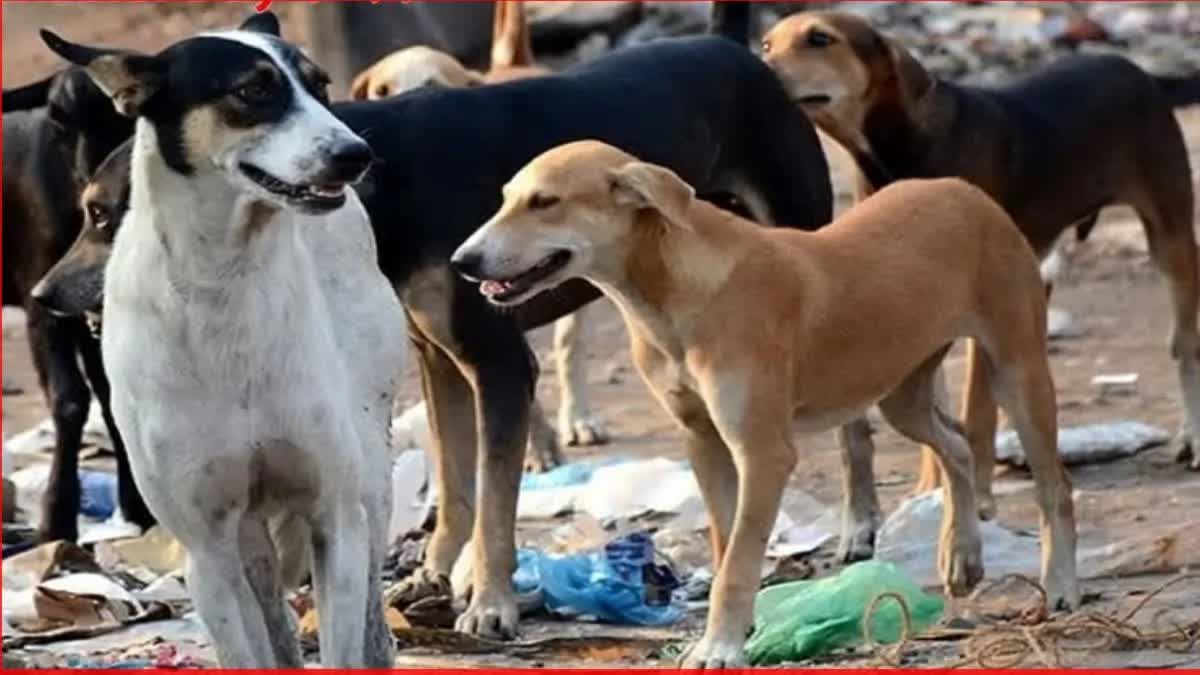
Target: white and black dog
[{"x": 252, "y": 342}]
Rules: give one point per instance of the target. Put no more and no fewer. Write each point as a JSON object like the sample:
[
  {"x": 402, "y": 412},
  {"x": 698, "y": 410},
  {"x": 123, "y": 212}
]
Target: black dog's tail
[
  {"x": 27, "y": 97},
  {"x": 731, "y": 19},
  {"x": 1180, "y": 91}
]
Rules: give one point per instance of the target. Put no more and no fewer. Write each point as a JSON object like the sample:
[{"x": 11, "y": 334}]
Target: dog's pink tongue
[{"x": 491, "y": 287}]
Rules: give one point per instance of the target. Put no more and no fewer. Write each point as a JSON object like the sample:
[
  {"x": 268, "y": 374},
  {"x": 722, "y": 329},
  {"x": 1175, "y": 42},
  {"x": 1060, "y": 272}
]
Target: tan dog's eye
[
  {"x": 818, "y": 39},
  {"x": 381, "y": 91},
  {"x": 766, "y": 46},
  {"x": 539, "y": 201}
]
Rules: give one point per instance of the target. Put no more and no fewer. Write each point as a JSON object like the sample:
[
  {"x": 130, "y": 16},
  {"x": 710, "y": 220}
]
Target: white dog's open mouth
[
  {"x": 317, "y": 196},
  {"x": 505, "y": 290}
]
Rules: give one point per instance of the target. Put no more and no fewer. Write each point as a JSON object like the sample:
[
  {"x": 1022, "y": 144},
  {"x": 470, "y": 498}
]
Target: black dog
[
  {"x": 705, "y": 107},
  {"x": 49, "y": 152}
]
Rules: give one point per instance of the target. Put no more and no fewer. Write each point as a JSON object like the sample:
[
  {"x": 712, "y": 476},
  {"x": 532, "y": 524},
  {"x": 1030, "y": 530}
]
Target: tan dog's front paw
[
  {"x": 490, "y": 615},
  {"x": 961, "y": 566},
  {"x": 713, "y": 654},
  {"x": 1062, "y": 594},
  {"x": 573, "y": 431},
  {"x": 422, "y": 583}
]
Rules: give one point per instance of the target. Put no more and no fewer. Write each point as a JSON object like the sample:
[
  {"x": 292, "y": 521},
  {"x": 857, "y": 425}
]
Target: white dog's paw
[
  {"x": 581, "y": 430},
  {"x": 490, "y": 615},
  {"x": 712, "y": 654}
]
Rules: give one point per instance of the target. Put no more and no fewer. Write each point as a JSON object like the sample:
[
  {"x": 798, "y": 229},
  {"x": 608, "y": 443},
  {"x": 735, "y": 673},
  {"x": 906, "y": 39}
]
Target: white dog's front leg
[
  {"x": 226, "y": 603},
  {"x": 341, "y": 547}
]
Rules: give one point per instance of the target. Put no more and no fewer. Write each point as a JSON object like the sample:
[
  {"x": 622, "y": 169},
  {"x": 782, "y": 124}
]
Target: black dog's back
[{"x": 704, "y": 106}]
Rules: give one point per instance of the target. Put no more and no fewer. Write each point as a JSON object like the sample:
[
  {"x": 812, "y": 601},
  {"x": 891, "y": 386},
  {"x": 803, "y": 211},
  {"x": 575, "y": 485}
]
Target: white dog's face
[
  {"x": 243, "y": 103},
  {"x": 574, "y": 211}
]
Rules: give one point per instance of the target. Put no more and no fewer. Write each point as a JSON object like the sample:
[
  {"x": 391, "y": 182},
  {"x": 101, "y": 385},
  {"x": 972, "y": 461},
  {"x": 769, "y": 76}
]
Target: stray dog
[
  {"x": 253, "y": 344},
  {"x": 705, "y": 107},
  {"x": 1052, "y": 148},
  {"x": 74, "y": 286},
  {"x": 857, "y": 318},
  {"x": 420, "y": 66},
  {"x": 56, "y": 131},
  {"x": 512, "y": 59}
]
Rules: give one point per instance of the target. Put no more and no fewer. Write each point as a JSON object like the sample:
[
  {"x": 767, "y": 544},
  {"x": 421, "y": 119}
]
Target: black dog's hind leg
[
  {"x": 129, "y": 498},
  {"x": 55, "y": 346}
]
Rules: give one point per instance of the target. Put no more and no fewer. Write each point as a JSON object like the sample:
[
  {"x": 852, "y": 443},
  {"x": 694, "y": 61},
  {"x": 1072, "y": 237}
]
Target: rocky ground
[{"x": 1117, "y": 301}]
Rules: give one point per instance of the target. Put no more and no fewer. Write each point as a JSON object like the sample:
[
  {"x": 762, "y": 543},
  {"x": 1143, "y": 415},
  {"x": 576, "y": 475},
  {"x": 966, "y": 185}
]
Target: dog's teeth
[{"x": 492, "y": 287}]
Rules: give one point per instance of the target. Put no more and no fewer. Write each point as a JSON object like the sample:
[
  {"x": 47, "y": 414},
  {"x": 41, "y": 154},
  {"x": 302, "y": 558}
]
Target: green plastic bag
[{"x": 803, "y": 619}]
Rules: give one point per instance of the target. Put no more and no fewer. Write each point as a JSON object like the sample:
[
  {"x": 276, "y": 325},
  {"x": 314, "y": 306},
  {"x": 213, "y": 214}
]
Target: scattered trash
[
  {"x": 410, "y": 431},
  {"x": 411, "y": 497},
  {"x": 802, "y": 619},
  {"x": 909, "y": 538},
  {"x": 1120, "y": 384},
  {"x": 150, "y": 556},
  {"x": 1163, "y": 550},
  {"x": 40, "y": 438},
  {"x": 609, "y": 585},
  {"x": 10, "y": 501},
  {"x": 98, "y": 494},
  {"x": 1090, "y": 443},
  {"x": 1060, "y": 325}
]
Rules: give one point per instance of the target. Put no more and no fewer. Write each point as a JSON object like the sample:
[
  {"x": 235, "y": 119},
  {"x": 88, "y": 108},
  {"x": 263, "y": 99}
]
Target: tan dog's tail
[{"x": 511, "y": 44}]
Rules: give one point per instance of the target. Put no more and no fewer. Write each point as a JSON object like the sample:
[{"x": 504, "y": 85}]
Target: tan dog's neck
[{"x": 666, "y": 273}]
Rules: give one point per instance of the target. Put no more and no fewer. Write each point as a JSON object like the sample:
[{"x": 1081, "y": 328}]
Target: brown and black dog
[{"x": 1053, "y": 148}]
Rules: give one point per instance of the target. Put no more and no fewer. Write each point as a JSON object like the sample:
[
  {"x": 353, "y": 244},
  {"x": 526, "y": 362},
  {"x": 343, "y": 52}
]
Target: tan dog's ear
[
  {"x": 911, "y": 77},
  {"x": 128, "y": 78},
  {"x": 360, "y": 87},
  {"x": 643, "y": 185}
]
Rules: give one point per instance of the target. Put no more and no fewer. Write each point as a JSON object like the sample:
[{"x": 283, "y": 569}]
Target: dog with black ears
[
  {"x": 253, "y": 344},
  {"x": 56, "y": 131}
]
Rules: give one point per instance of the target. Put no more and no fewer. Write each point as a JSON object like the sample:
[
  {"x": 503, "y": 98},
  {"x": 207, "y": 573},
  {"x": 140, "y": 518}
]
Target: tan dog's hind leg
[
  {"x": 1025, "y": 389},
  {"x": 861, "y": 514},
  {"x": 576, "y": 425},
  {"x": 914, "y": 411}
]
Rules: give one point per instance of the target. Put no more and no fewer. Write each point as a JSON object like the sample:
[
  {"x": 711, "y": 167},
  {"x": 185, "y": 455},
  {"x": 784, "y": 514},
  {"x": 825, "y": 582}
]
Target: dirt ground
[{"x": 1111, "y": 290}]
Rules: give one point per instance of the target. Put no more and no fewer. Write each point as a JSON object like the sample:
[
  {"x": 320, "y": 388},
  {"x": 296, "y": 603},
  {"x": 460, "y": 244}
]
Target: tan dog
[
  {"x": 741, "y": 330},
  {"x": 419, "y": 66},
  {"x": 1052, "y": 148},
  {"x": 512, "y": 59}
]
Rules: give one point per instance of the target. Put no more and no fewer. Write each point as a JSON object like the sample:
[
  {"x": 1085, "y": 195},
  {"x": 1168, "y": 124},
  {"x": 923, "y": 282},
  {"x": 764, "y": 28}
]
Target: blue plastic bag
[
  {"x": 97, "y": 494},
  {"x": 605, "y": 584}
]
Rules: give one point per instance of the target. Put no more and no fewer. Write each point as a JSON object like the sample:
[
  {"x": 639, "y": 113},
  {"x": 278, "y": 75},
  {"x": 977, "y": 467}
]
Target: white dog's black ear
[
  {"x": 649, "y": 186},
  {"x": 128, "y": 78},
  {"x": 262, "y": 22}
]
